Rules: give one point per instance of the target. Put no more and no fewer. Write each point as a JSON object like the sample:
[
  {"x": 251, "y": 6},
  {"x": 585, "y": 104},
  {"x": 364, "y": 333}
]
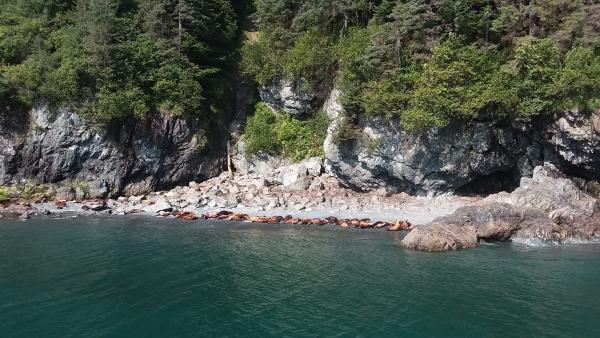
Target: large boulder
[
  {"x": 129, "y": 158},
  {"x": 441, "y": 237},
  {"x": 492, "y": 221}
]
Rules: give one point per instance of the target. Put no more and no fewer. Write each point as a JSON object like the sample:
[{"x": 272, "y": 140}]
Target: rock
[
  {"x": 492, "y": 221},
  {"x": 65, "y": 193},
  {"x": 317, "y": 185},
  {"x": 98, "y": 206},
  {"x": 548, "y": 207},
  {"x": 80, "y": 194},
  {"x": 552, "y": 192},
  {"x": 441, "y": 237},
  {"x": 137, "y": 199},
  {"x": 475, "y": 157},
  {"x": 290, "y": 97},
  {"x": 25, "y": 215},
  {"x": 299, "y": 185},
  {"x": 226, "y": 201},
  {"x": 158, "y": 206},
  {"x": 313, "y": 165},
  {"x": 260, "y": 163},
  {"x": 113, "y": 160}
]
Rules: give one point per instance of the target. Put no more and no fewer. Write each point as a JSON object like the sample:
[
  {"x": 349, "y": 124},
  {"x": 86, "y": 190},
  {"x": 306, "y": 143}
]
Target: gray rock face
[
  {"x": 574, "y": 140},
  {"x": 290, "y": 97},
  {"x": 479, "y": 156},
  {"x": 109, "y": 160}
]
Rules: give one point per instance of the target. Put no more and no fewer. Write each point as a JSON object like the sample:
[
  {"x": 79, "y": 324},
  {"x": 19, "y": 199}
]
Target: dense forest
[
  {"x": 422, "y": 62},
  {"x": 429, "y": 62},
  {"x": 114, "y": 59}
]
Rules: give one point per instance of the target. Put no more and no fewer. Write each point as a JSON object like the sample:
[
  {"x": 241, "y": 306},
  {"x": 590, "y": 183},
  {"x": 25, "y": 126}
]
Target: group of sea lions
[
  {"x": 225, "y": 215},
  {"x": 241, "y": 217}
]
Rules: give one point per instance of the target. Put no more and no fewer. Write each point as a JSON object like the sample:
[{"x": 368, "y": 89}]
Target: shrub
[
  {"x": 260, "y": 134},
  {"x": 452, "y": 85},
  {"x": 301, "y": 139},
  {"x": 310, "y": 58},
  {"x": 260, "y": 60},
  {"x": 275, "y": 133},
  {"x": 579, "y": 80},
  {"x": 538, "y": 64}
]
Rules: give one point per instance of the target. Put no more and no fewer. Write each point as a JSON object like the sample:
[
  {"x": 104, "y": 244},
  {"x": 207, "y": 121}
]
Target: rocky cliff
[
  {"x": 46, "y": 147},
  {"x": 480, "y": 156}
]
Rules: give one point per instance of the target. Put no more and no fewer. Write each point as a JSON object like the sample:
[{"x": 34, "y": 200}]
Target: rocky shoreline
[{"x": 547, "y": 208}]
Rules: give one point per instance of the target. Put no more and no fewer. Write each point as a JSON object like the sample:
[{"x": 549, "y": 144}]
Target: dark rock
[{"x": 128, "y": 158}]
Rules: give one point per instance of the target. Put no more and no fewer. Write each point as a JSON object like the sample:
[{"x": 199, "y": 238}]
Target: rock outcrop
[
  {"x": 107, "y": 160},
  {"x": 547, "y": 208},
  {"x": 479, "y": 156},
  {"x": 290, "y": 97}
]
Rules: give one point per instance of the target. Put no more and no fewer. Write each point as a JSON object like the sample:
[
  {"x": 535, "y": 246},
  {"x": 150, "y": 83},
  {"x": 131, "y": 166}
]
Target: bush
[
  {"x": 538, "y": 65},
  {"x": 260, "y": 60},
  {"x": 301, "y": 139},
  {"x": 579, "y": 80},
  {"x": 260, "y": 134},
  {"x": 310, "y": 58},
  {"x": 275, "y": 133},
  {"x": 452, "y": 85}
]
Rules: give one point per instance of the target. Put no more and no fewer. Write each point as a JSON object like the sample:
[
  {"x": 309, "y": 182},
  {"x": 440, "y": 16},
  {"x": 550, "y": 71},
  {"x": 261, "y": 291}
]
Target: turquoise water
[{"x": 143, "y": 277}]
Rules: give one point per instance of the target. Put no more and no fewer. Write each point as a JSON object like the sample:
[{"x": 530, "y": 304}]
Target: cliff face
[
  {"x": 475, "y": 157},
  {"x": 42, "y": 147},
  {"x": 479, "y": 156}
]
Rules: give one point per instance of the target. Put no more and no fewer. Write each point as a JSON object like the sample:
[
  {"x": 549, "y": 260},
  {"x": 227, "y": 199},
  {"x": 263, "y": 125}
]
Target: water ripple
[{"x": 139, "y": 276}]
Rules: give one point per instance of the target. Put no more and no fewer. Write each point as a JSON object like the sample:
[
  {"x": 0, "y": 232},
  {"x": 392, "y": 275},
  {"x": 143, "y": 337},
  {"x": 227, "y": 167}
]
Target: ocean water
[{"x": 147, "y": 277}]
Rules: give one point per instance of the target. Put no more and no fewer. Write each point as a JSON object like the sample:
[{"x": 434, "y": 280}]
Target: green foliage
[
  {"x": 274, "y": 133},
  {"x": 452, "y": 85},
  {"x": 579, "y": 80},
  {"x": 430, "y": 62},
  {"x": 261, "y": 60},
  {"x": 538, "y": 64},
  {"x": 259, "y": 134},
  {"x": 301, "y": 139},
  {"x": 310, "y": 58},
  {"x": 27, "y": 192},
  {"x": 6, "y": 194},
  {"x": 117, "y": 59}
]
